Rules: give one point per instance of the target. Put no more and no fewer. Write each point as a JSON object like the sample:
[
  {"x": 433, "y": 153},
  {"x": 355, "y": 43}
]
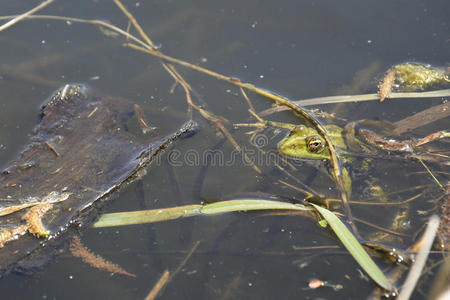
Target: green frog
[
  {"x": 306, "y": 143},
  {"x": 350, "y": 142}
]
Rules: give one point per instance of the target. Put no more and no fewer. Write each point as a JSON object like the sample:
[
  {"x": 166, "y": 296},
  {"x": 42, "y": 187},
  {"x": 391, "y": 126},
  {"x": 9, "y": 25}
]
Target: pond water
[{"x": 299, "y": 49}]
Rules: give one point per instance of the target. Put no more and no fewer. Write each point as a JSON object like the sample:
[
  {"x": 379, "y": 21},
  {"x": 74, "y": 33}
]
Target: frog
[
  {"x": 80, "y": 153},
  {"x": 303, "y": 142},
  {"x": 364, "y": 138}
]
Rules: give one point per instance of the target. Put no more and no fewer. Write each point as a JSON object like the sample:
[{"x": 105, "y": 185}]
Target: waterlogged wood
[
  {"x": 166, "y": 214},
  {"x": 423, "y": 118},
  {"x": 80, "y": 152},
  {"x": 354, "y": 247}
]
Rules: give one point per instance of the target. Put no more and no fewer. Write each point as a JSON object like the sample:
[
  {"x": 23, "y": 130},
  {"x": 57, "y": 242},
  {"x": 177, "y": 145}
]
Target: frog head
[{"x": 304, "y": 143}]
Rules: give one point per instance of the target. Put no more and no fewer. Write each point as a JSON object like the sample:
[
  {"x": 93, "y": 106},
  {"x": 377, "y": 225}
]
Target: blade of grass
[
  {"x": 354, "y": 247},
  {"x": 246, "y": 205},
  {"x": 165, "y": 214},
  {"x": 147, "y": 216}
]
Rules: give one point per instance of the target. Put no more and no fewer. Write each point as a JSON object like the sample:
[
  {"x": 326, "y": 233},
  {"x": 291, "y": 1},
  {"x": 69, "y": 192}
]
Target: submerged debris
[
  {"x": 96, "y": 261},
  {"x": 411, "y": 77}
]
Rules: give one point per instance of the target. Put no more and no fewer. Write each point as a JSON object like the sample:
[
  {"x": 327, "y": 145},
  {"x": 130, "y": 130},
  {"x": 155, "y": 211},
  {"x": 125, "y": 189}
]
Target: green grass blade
[
  {"x": 165, "y": 214},
  {"x": 147, "y": 216},
  {"x": 247, "y": 204},
  {"x": 354, "y": 247}
]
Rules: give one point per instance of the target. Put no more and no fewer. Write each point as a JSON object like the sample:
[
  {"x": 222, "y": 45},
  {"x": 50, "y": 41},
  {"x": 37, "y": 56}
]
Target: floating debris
[
  {"x": 418, "y": 77},
  {"x": 7, "y": 235},
  {"x": 385, "y": 87},
  {"x": 317, "y": 283},
  {"x": 33, "y": 217}
]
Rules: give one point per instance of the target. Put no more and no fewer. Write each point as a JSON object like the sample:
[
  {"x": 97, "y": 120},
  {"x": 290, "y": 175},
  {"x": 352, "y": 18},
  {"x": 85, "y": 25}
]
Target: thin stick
[
  {"x": 212, "y": 118},
  {"x": 367, "y": 203},
  {"x": 357, "y": 98},
  {"x": 431, "y": 174},
  {"x": 135, "y": 23},
  {"x": 93, "y": 22},
  {"x": 158, "y": 286},
  {"x": 238, "y": 148},
  {"x": 253, "y": 113},
  {"x": 25, "y": 15},
  {"x": 307, "y": 193},
  {"x": 252, "y": 109},
  {"x": 166, "y": 277},
  {"x": 186, "y": 258},
  {"x": 416, "y": 269}
]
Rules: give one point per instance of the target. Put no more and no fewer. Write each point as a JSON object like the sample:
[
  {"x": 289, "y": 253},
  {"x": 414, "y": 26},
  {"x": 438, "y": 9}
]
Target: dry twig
[
  {"x": 158, "y": 286},
  {"x": 23, "y": 16}
]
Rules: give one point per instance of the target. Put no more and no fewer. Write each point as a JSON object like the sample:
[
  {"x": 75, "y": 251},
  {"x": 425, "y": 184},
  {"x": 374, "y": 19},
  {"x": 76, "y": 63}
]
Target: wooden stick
[
  {"x": 23, "y": 16},
  {"x": 158, "y": 286}
]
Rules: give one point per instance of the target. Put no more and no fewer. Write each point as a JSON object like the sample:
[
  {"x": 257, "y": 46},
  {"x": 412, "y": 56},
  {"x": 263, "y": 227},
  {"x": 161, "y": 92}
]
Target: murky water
[{"x": 300, "y": 50}]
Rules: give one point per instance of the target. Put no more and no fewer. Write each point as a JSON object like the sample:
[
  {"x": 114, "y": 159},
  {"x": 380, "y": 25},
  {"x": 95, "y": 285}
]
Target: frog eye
[{"x": 314, "y": 144}]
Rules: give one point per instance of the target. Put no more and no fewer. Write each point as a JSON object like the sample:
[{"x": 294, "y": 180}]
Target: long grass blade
[
  {"x": 354, "y": 247},
  {"x": 166, "y": 214},
  {"x": 147, "y": 216},
  {"x": 246, "y": 205}
]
